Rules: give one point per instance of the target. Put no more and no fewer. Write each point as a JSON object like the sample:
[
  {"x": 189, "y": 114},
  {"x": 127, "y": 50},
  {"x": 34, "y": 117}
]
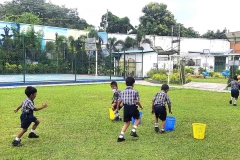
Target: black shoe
[
  {"x": 116, "y": 119},
  {"x": 162, "y": 131},
  {"x": 16, "y": 143},
  {"x": 134, "y": 134},
  {"x": 120, "y": 139},
  {"x": 33, "y": 135},
  {"x": 156, "y": 129},
  {"x": 230, "y": 102},
  {"x": 120, "y": 119},
  {"x": 235, "y": 105}
]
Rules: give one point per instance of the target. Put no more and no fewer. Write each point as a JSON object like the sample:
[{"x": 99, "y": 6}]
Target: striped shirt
[
  {"x": 235, "y": 84},
  {"x": 129, "y": 96},
  {"x": 28, "y": 106},
  {"x": 161, "y": 98},
  {"x": 116, "y": 96}
]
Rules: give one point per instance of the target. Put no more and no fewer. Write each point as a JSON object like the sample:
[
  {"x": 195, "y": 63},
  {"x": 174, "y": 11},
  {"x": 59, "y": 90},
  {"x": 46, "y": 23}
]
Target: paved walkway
[{"x": 216, "y": 87}]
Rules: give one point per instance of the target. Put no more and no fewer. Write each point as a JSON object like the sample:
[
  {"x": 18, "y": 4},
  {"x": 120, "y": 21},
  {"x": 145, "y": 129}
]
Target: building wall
[{"x": 237, "y": 47}]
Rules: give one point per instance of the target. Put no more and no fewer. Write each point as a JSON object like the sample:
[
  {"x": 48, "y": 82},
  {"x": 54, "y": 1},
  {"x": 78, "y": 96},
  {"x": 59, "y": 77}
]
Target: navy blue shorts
[
  {"x": 235, "y": 93},
  {"x": 160, "y": 112},
  {"x": 27, "y": 119},
  {"x": 129, "y": 112}
]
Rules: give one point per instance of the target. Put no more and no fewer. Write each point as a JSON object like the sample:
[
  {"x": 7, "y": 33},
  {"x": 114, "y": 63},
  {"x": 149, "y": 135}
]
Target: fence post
[{"x": 24, "y": 60}]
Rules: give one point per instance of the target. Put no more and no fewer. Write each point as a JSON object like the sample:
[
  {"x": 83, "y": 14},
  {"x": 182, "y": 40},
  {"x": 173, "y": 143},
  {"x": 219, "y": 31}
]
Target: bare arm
[
  {"x": 170, "y": 108},
  {"x": 44, "y": 105},
  {"x": 138, "y": 103},
  {"x": 152, "y": 107},
  {"x": 20, "y": 106}
]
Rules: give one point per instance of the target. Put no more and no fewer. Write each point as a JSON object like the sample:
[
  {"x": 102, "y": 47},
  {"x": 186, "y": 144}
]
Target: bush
[
  {"x": 189, "y": 70},
  {"x": 174, "y": 78},
  {"x": 188, "y": 79},
  {"x": 160, "y": 77},
  {"x": 211, "y": 74},
  {"x": 151, "y": 72},
  {"x": 10, "y": 68},
  {"x": 217, "y": 75}
]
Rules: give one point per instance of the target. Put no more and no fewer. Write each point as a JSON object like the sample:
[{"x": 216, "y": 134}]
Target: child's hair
[
  {"x": 235, "y": 78},
  {"x": 130, "y": 81},
  {"x": 30, "y": 90},
  {"x": 164, "y": 87},
  {"x": 113, "y": 83}
]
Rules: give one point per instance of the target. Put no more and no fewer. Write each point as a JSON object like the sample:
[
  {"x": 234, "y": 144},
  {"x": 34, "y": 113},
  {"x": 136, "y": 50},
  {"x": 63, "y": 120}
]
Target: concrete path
[{"x": 217, "y": 87}]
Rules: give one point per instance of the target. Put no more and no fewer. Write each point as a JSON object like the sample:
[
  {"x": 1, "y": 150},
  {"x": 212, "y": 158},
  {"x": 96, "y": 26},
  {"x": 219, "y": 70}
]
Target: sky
[{"x": 202, "y": 15}]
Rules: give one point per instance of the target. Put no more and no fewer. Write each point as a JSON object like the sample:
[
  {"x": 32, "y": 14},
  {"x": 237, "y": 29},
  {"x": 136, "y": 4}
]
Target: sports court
[{"x": 42, "y": 79}]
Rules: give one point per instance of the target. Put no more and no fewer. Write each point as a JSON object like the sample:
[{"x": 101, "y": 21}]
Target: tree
[
  {"x": 27, "y": 18},
  {"x": 116, "y": 24},
  {"x": 157, "y": 20},
  {"x": 48, "y": 13},
  {"x": 186, "y": 32},
  {"x": 215, "y": 35}
]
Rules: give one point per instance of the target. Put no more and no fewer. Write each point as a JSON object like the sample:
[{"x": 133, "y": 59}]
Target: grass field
[
  {"x": 210, "y": 80},
  {"x": 76, "y": 125}
]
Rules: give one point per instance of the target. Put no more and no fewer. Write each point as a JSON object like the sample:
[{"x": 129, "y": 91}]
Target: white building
[{"x": 205, "y": 53}]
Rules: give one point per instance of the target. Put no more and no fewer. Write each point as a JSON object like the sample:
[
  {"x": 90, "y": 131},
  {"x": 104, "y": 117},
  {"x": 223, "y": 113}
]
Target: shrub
[
  {"x": 211, "y": 74},
  {"x": 189, "y": 70},
  {"x": 174, "y": 78},
  {"x": 217, "y": 75},
  {"x": 188, "y": 79}
]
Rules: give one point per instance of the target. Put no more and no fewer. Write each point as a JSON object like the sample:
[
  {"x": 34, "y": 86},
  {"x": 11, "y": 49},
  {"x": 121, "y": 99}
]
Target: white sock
[
  {"x": 231, "y": 98},
  {"x": 118, "y": 115},
  {"x": 235, "y": 101},
  {"x": 156, "y": 124},
  {"x": 162, "y": 129},
  {"x": 115, "y": 113},
  {"x": 32, "y": 130},
  {"x": 17, "y": 139},
  {"x": 121, "y": 134},
  {"x": 134, "y": 128}
]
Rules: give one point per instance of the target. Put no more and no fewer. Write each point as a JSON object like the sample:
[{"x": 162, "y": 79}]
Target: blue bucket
[
  {"x": 133, "y": 119},
  {"x": 170, "y": 123}
]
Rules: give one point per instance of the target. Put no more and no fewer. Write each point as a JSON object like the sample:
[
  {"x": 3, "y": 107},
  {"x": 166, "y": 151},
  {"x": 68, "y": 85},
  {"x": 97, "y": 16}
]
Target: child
[
  {"x": 116, "y": 94},
  {"x": 129, "y": 98},
  {"x": 234, "y": 90},
  {"x": 27, "y": 116},
  {"x": 159, "y": 108}
]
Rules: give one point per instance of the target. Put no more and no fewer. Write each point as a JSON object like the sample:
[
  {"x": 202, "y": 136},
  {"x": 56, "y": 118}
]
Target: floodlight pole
[{"x": 96, "y": 62}]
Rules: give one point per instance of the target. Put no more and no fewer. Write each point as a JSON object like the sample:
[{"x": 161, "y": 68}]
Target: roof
[
  {"x": 160, "y": 51},
  {"x": 233, "y": 36},
  {"x": 134, "y": 51}
]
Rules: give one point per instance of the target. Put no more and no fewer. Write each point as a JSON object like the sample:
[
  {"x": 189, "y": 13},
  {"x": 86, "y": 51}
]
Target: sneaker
[
  {"x": 16, "y": 143},
  {"x": 235, "y": 105},
  {"x": 120, "y": 139},
  {"x": 156, "y": 129},
  {"x": 134, "y": 134},
  {"x": 162, "y": 131},
  {"x": 120, "y": 119},
  {"x": 116, "y": 119},
  {"x": 32, "y": 135},
  {"x": 230, "y": 102}
]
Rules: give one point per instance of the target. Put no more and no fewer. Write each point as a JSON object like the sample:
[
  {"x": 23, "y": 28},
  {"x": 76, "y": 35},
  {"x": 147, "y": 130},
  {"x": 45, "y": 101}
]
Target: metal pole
[
  {"x": 124, "y": 69},
  {"x": 142, "y": 64},
  {"x": 172, "y": 39},
  {"x": 24, "y": 61},
  {"x": 110, "y": 64},
  {"x": 96, "y": 63},
  {"x": 75, "y": 60}
]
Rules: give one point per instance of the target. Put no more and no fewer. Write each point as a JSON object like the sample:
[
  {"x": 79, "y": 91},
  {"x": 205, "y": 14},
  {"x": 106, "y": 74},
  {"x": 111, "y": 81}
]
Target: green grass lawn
[
  {"x": 210, "y": 80},
  {"x": 76, "y": 125}
]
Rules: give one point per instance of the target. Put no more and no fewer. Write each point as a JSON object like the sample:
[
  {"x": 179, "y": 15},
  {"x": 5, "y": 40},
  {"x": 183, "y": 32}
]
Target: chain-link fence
[{"x": 26, "y": 55}]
